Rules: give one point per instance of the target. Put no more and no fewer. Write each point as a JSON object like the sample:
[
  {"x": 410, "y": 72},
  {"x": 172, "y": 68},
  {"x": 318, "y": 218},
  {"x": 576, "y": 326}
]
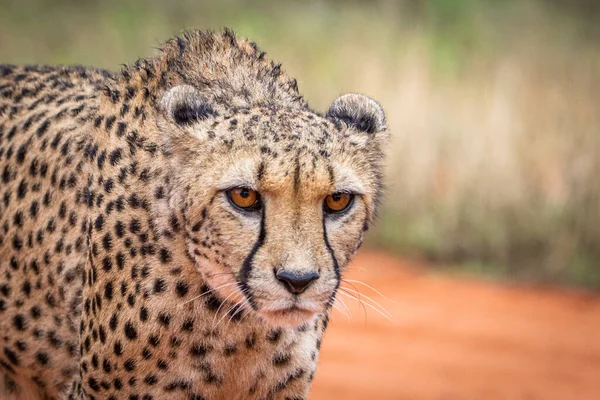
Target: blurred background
[{"x": 494, "y": 170}]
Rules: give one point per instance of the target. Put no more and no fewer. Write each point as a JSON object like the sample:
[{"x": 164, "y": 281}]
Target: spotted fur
[{"x": 125, "y": 272}]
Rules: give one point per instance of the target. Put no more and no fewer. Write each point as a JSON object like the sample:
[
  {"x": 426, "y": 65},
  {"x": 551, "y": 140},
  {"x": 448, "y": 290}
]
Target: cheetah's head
[{"x": 275, "y": 200}]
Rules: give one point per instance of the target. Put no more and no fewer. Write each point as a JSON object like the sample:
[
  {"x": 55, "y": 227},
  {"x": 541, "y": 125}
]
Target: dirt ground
[{"x": 459, "y": 338}]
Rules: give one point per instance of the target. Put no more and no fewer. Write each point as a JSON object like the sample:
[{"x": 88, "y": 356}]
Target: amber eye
[
  {"x": 338, "y": 202},
  {"x": 244, "y": 198}
]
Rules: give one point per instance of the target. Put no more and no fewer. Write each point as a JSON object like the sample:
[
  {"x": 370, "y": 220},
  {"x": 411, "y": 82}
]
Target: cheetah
[{"x": 178, "y": 229}]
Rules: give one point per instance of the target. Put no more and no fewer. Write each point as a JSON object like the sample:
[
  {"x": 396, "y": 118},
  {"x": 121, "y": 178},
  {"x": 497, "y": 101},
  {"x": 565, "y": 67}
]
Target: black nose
[{"x": 296, "y": 284}]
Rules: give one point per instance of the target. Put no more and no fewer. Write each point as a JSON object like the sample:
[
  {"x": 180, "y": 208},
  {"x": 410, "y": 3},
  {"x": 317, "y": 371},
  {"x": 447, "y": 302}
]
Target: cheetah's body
[{"x": 100, "y": 294}]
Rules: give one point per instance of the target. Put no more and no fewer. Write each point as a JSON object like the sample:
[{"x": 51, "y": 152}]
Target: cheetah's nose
[{"x": 296, "y": 284}]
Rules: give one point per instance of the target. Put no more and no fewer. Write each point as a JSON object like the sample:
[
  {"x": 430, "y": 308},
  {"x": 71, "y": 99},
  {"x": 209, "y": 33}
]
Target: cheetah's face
[{"x": 276, "y": 202}]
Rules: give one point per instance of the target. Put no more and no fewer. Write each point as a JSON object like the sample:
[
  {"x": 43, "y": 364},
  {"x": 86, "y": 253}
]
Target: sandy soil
[{"x": 459, "y": 338}]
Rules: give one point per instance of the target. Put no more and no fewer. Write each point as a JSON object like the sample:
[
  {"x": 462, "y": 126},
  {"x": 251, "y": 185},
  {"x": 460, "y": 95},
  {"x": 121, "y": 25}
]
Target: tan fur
[{"x": 124, "y": 270}]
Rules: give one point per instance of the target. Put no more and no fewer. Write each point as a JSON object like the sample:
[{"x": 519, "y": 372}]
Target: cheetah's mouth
[{"x": 293, "y": 315}]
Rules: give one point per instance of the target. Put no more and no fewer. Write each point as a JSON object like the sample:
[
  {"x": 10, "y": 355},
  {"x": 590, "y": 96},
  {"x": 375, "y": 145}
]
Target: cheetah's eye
[
  {"x": 338, "y": 202},
  {"x": 244, "y": 198}
]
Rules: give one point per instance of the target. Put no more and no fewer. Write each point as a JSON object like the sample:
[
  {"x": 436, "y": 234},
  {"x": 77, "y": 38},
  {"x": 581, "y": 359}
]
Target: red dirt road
[{"x": 458, "y": 338}]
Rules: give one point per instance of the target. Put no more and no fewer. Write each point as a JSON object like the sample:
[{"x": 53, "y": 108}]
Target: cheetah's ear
[
  {"x": 184, "y": 105},
  {"x": 358, "y": 111}
]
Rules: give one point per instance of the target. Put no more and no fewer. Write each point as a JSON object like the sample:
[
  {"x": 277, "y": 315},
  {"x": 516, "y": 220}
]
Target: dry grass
[
  {"x": 493, "y": 106},
  {"x": 499, "y": 164}
]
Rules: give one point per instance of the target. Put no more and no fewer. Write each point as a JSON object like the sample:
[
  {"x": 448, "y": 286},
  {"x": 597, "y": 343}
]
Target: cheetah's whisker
[
  {"x": 345, "y": 307},
  {"x": 236, "y": 304},
  {"x": 350, "y": 281},
  {"x": 240, "y": 307},
  {"x": 208, "y": 292},
  {"x": 368, "y": 298},
  {"x": 221, "y": 305},
  {"x": 362, "y": 305},
  {"x": 376, "y": 307},
  {"x": 340, "y": 309},
  {"x": 372, "y": 307}
]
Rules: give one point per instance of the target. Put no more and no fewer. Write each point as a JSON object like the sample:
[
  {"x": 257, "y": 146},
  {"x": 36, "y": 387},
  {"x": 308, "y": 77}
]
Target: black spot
[
  {"x": 135, "y": 226},
  {"x": 102, "y": 334},
  {"x": 159, "y": 285},
  {"x": 281, "y": 359},
  {"x": 146, "y": 353},
  {"x": 165, "y": 256},
  {"x": 188, "y": 325},
  {"x": 118, "y": 348},
  {"x": 197, "y": 226},
  {"x": 17, "y": 242},
  {"x": 101, "y": 159},
  {"x": 14, "y": 264},
  {"x": 5, "y": 290},
  {"x": 42, "y": 128},
  {"x": 12, "y": 356},
  {"x": 134, "y": 200},
  {"x": 93, "y": 384},
  {"x": 107, "y": 241},
  {"x": 51, "y": 225},
  {"x": 22, "y": 346},
  {"x": 98, "y": 121},
  {"x": 55, "y": 340},
  {"x": 121, "y": 126},
  {"x": 18, "y": 219},
  {"x": 35, "y": 312},
  {"x": 106, "y": 366},
  {"x": 108, "y": 185},
  {"x": 274, "y": 335},
  {"x": 99, "y": 222},
  {"x": 164, "y": 319},
  {"x": 154, "y": 340},
  {"x": 213, "y": 303},
  {"x": 109, "y": 122},
  {"x": 119, "y": 229},
  {"x": 62, "y": 210},
  {"x": 113, "y": 322},
  {"x": 129, "y": 365},
  {"x": 115, "y": 156},
  {"x": 107, "y": 264},
  {"x": 175, "y": 341},
  {"x": 162, "y": 364},
  {"x": 143, "y": 314},
  {"x": 198, "y": 350},
  {"x": 120, "y": 260},
  {"x": 129, "y": 93},
  {"x": 182, "y": 288},
  {"x": 108, "y": 291},
  {"x": 174, "y": 222},
  {"x": 21, "y": 152},
  {"x": 150, "y": 380},
  {"x": 20, "y": 322},
  {"x": 130, "y": 331}
]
